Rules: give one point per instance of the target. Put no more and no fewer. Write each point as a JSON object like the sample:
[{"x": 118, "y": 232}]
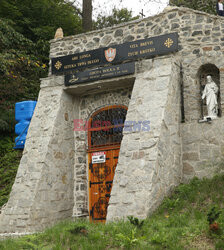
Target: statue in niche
[{"x": 210, "y": 92}]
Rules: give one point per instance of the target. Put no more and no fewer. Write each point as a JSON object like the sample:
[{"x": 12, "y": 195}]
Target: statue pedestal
[{"x": 208, "y": 119}]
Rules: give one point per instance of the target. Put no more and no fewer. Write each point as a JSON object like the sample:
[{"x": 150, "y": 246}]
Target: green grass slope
[{"x": 181, "y": 222}]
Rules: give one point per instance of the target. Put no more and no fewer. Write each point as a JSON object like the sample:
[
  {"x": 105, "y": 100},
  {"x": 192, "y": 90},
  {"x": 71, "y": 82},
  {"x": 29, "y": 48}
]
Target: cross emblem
[
  {"x": 58, "y": 65},
  {"x": 168, "y": 43},
  {"x": 142, "y": 14}
]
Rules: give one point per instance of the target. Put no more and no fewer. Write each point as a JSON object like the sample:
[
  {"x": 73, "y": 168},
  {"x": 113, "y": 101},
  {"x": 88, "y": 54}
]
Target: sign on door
[{"x": 98, "y": 157}]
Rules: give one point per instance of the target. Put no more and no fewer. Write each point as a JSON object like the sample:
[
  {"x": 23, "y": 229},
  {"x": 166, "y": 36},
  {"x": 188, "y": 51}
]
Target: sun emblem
[
  {"x": 58, "y": 65},
  {"x": 168, "y": 43}
]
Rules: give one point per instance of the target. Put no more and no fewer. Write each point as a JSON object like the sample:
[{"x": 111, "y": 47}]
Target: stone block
[
  {"x": 207, "y": 48},
  {"x": 215, "y": 151},
  {"x": 191, "y": 156},
  {"x": 138, "y": 155},
  {"x": 124, "y": 181},
  {"x": 188, "y": 169},
  {"x": 132, "y": 145},
  {"x": 149, "y": 143},
  {"x": 205, "y": 152}
]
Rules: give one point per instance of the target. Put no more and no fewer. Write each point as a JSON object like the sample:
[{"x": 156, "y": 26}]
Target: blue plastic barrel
[{"x": 23, "y": 114}]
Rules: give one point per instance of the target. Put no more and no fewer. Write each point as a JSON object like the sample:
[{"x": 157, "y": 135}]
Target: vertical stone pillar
[
  {"x": 43, "y": 190},
  {"x": 149, "y": 163},
  {"x": 222, "y": 88},
  {"x": 80, "y": 164}
]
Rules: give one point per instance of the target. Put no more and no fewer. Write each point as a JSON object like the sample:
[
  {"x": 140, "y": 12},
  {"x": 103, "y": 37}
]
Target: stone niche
[
  {"x": 203, "y": 72},
  {"x": 52, "y": 179}
]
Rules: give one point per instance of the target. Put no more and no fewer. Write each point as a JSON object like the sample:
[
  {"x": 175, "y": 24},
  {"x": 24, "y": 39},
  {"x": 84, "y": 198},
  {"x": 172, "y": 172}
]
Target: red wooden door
[
  {"x": 100, "y": 184},
  {"x": 104, "y": 135}
]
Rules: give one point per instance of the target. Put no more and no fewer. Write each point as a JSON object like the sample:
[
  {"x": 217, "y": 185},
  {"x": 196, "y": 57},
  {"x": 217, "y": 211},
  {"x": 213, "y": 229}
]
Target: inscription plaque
[
  {"x": 100, "y": 73},
  {"x": 116, "y": 54}
]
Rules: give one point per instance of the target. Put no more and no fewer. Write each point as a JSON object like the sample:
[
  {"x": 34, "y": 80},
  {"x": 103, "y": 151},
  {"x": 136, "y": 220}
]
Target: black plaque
[
  {"x": 100, "y": 73},
  {"x": 116, "y": 54}
]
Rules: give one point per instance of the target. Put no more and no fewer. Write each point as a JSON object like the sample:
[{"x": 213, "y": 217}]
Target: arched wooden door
[{"x": 104, "y": 138}]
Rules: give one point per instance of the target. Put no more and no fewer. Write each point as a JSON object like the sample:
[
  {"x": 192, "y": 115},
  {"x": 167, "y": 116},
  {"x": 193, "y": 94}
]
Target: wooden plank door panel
[{"x": 100, "y": 184}]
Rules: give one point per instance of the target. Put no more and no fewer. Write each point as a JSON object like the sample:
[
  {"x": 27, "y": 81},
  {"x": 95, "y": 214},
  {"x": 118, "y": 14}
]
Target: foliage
[
  {"x": 24, "y": 48},
  {"x": 39, "y": 19},
  {"x": 208, "y": 6},
  {"x": 135, "y": 221},
  {"x": 180, "y": 224},
  {"x": 117, "y": 17},
  {"x": 128, "y": 241},
  {"x": 20, "y": 70},
  {"x": 79, "y": 229},
  {"x": 9, "y": 161},
  {"x": 213, "y": 215}
]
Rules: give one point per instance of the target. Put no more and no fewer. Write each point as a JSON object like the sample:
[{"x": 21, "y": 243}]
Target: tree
[
  {"x": 87, "y": 15},
  {"x": 20, "y": 70},
  {"x": 39, "y": 19},
  {"x": 117, "y": 16},
  {"x": 24, "y": 48},
  {"x": 202, "y": 5}
]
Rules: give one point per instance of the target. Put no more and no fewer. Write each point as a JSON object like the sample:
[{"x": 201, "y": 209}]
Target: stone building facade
[{"x": 52, "y": 179}]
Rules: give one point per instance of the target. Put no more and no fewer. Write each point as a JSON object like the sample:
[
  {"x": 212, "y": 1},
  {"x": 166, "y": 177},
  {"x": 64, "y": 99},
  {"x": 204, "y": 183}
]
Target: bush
[{"x": 9, "y": 162}]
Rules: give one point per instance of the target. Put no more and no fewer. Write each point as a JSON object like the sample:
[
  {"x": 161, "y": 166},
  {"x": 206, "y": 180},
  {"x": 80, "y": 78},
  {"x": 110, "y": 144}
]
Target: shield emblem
[{"x": 110, "y": 54}]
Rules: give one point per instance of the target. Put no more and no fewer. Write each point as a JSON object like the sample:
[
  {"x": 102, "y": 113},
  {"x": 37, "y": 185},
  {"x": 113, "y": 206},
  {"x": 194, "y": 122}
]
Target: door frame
[{"x": 91, "y": 149}]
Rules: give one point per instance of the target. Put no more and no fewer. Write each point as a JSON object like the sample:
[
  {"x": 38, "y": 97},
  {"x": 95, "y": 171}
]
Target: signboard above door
[
  {"x": 99, "y": 74},
  {"x": 116, "y": 54}
]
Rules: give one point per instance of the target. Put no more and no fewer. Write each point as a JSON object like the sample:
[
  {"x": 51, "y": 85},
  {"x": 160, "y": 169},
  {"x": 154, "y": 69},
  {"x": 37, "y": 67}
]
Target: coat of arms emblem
[{"x": 110, "y": 54}]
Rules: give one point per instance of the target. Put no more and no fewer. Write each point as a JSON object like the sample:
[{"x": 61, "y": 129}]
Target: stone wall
[
  {"x": 149, "y": 162},
  {"x": 51, "y": 183},
  {"x": 203, "y": 149},
  {"x": 43, "y": 190},
  {"x": 200, "y": 42}
]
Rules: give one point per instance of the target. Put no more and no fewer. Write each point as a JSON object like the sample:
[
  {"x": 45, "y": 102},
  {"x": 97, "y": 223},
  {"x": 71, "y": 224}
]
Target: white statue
[{"x": 210, "y": 92}]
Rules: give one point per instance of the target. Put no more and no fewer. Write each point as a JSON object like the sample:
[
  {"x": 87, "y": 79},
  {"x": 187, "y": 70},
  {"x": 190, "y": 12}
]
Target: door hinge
[
  {"x": 91, "y": 167},
  {"x": 91, "y": 183},
  {"x": 91, "y": 212}
]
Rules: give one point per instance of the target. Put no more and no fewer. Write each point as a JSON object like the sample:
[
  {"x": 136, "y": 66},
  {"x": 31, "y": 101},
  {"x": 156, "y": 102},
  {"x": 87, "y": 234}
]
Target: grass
[{"x": 179, "y": 223}]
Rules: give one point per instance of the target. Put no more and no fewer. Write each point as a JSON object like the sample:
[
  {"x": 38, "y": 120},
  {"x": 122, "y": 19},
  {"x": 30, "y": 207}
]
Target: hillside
[
  {"x": 181, "y": 222},
  {"x": 9, "y": 162}
]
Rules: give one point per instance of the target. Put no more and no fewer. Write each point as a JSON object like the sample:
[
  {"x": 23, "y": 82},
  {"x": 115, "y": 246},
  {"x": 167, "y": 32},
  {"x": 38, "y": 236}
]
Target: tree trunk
[{"x": 87, "y": 15}]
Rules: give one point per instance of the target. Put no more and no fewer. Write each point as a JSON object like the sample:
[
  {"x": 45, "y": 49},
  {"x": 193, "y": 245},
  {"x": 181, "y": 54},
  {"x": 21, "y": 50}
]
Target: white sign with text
[{"x": 98, "y": 157}]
